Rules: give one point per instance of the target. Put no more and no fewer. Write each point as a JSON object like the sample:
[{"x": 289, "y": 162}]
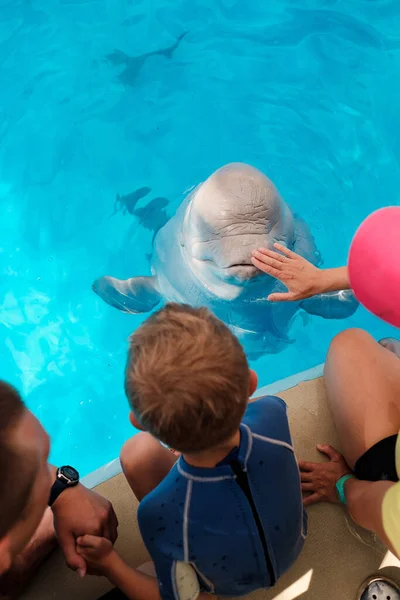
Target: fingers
[
  {"x": 107, "y": 529},
  {"x": 306, "y": 466},
  {"x": 313, "y": 499},
  {"x": 72, "y": 558},
  {"x": 282, "y": 297},
  {"x": 330, "y": 452},
  {"x": 88, "y": 541},
  {"x": 89, "y": 546},
  {"x": 266, "y": 268},
  {"x": 306, "y": 476},
  {"x": 110, "y": 529},
  {"x": 272, "y": 254},
  {"x": 285, "y": 250},
  {"x": 268, "y": 259},
  {"x": 307, "y": 487}
]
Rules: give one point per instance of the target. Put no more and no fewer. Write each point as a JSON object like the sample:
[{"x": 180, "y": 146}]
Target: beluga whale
[{"x": 202, "y": 257}]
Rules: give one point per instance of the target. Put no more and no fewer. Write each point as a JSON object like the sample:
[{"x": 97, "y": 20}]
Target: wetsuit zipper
[{"x": 243, "y": 482}]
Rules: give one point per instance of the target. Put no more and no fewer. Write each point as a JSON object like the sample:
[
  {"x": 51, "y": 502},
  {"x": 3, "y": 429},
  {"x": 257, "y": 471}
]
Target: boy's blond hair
[{"x": 187, "y": 378}]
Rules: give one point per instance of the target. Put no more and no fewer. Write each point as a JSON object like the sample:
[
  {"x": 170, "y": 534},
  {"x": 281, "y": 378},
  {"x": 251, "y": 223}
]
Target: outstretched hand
[
  {"x": 319, "y": 479},
  {"x": 295, "y": 272}
]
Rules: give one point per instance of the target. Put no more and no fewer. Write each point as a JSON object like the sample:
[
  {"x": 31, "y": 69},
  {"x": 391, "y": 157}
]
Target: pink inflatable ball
[{"x": 374, "y": 264}]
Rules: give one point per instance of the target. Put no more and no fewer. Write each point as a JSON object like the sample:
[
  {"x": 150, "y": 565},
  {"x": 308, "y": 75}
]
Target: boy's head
[
  {"x": 24, "y": 474},
  {"x": 187, "y": 378}
]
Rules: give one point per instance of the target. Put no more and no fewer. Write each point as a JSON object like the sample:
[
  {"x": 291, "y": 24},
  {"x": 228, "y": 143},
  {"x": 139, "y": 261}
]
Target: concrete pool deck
[{"x": 337, "y": 556}]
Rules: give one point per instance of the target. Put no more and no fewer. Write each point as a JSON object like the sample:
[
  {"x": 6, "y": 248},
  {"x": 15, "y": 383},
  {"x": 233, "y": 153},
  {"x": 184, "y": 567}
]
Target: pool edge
[
  {"x": 113, "y": 468},
  {"x": 290, "y": 382}
]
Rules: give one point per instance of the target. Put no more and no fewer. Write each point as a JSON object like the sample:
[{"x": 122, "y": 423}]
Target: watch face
[{"x": 69, "y": 473}]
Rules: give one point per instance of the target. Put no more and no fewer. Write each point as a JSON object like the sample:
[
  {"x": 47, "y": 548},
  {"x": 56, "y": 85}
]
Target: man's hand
[
  {"x": 300, "y": 276},
  {"x": 319, "y": 479},
  {"x": 78, "y": 512}
]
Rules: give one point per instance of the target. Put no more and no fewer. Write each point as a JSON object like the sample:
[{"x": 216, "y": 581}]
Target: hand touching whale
[
  {"x": 305, "y": 281},
  {"x": 302, "y": 278}
]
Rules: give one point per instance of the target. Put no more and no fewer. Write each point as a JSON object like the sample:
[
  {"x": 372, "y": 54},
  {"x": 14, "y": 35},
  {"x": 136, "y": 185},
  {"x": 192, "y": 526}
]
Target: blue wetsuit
[{"x": 239, "y": 525}]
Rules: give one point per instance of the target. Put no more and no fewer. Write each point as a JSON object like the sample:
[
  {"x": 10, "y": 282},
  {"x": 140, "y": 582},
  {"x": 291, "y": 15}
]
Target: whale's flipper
[
  {"x": 135, "y": 295},
  {"x": 335, "y": 305}
]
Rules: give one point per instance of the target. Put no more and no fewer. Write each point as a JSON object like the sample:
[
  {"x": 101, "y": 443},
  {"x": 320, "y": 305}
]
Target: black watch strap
[
  {"x": 56, "y": 489},
  {"x": 66, "y": 477}
]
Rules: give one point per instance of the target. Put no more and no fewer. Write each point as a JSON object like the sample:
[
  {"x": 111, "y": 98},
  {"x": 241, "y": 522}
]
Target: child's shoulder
[
  {"x": 166, "y": 500},
  {"x": 268, "y": 416},
  {"x": 263, "y": 404}
]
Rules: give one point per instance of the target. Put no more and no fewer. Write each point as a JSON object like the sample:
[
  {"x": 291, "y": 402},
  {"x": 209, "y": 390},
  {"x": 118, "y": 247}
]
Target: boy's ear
[
  {"x": 135, "y": 422},
  {"x": 253, "y": 382}
]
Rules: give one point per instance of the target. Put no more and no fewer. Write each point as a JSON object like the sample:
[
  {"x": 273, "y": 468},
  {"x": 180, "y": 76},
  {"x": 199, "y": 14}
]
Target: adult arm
[
  {"x": 302, "y": 279},
  {"x": 79, "y": 511}
]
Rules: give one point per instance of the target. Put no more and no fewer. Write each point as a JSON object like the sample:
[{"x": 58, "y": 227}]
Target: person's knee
[
  {"x": 349, "y": 341},
  {"x": 135, "y": 453},
  {"x": 344, "y": 346}
]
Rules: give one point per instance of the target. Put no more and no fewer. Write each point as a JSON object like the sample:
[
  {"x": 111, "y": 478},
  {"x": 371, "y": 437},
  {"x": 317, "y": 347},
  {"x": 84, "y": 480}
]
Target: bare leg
[
  {"x": 27, "y": 563},
  {"x": 363, "y": 385},
  {"x": 391, "y": 344},
  {"x": 145, "y": 463}
]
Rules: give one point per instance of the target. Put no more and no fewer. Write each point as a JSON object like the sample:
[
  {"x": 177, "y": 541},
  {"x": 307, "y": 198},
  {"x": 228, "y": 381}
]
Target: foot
[
  {"x": 392, "y": 345},
  {"x": 26, "y": 564},
  {"x": 379, "y": 588}
]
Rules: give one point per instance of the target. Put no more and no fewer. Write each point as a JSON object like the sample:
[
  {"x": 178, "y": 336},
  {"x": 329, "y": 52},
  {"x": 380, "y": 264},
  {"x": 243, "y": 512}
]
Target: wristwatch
[
  {"x": 340, "y": 488},
  {"x": 66, "y": 477}
]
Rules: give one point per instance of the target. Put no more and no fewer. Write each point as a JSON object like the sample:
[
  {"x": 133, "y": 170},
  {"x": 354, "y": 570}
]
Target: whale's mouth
[
  {"x": 234, "y": 265},
  {"x": 243, "y": 271},
  {"x": 241, "y": 266},
  {"x": 236, "y": 273}
]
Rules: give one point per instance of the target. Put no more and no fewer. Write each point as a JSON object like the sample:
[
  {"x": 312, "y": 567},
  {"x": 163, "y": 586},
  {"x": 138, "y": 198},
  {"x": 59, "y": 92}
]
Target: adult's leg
[
  {"x": 362, "y": 379},
  {"x": 145, "y": 463},
  {"x": 43, "y": 542}
]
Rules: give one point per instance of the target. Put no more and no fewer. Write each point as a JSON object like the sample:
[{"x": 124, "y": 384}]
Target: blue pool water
[{"x": 305, "y": 90}]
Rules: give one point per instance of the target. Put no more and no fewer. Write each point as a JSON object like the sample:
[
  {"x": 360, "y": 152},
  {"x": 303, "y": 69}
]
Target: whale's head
[{"x": 237, "y": 210}]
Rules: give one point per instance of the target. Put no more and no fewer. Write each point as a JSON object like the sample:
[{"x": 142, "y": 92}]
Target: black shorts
[{"x": 379, "y": 462}]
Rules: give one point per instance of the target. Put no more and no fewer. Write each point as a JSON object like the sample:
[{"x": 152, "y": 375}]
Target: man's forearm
[
  {"x": 134, "y": 584},
  {"x": 364, "y": 502},
  {"x": 333, "y": 280}
]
